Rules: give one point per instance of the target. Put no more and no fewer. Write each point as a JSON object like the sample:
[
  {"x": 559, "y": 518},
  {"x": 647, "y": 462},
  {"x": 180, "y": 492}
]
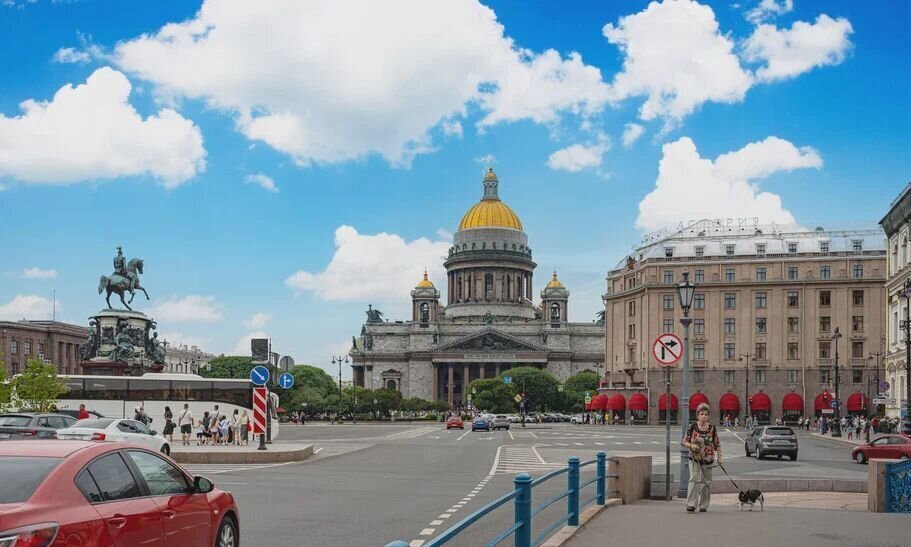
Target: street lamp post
[
  {"x": 875, "y": 382},
  {"x": 339, "y": 359},
  {"x": 746, "y": 395},
  {"x": 685, "y": 293},
  {"x": 836, "y": 425},
  {"x": 906, "y": 325}
]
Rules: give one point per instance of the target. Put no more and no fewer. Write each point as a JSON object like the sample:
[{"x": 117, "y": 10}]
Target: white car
[
  {"x": 577, "y": 419},
  {"x": 113, "y": 429}
]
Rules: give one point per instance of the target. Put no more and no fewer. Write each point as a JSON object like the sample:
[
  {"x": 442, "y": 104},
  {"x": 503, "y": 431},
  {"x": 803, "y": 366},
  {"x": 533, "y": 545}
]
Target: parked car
[
  {"x": 500, "y": 421},
  {"x": 576, "y": 419},
  {"x": 886, "y": 446},
  {"x": 771, "y": 440},
  {"x": 455, "y": 422},
  {"x": 480, "y": 423},
  {"x": 74, "y": 412},
  {"x": 112, "y": 429},
  {"x": 21, "y": 426},
  {"x": 515, "y": 418},
  {"x": 94, "y": 493}
]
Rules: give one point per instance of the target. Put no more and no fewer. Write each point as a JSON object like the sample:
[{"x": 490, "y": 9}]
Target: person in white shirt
[{"x": 185, "y": 423}]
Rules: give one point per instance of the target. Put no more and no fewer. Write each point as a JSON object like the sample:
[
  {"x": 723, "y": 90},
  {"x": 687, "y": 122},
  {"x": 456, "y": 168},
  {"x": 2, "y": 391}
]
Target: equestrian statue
[{"x": 124, "y": 279}]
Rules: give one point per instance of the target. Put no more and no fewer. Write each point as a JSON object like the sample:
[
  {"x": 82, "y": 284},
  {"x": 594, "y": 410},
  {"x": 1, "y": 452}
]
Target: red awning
[
  {"x": 820, "y": 403},
  {"x": 761, "y": 401},
  {"x": 638, "y": 402},
  {"x": 599, "y": 402},
  {"x": 729, "y": 402},
  {"x": 792, "y": 402},
  {"x": 616, "y": 402},
  {"x": 280, "y": 410},
  {"x": 858, "y": 401},
  {"x": 588, "y": 406},
  {"x": 697, "y": 399},
  {"x": 662, "y": 402}
]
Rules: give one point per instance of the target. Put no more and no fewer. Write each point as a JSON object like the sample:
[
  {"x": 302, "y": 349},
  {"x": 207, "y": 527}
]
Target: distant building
[
  {"x": 897, "y": 225},
  {"x": 183, "y": 359},
  {"x": 770, "y": 297},
  {"x": 51, "y": 341}
]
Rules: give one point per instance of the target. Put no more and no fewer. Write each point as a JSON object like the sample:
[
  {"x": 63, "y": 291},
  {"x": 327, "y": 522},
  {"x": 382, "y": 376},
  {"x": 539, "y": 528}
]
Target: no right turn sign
[{"x": 667, "y": 349}]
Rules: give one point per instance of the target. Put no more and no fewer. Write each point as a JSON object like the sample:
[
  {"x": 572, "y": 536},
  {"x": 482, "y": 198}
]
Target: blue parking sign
[
  {"x": 834, "y": 403},
  {"x": 507, "y": 379}
]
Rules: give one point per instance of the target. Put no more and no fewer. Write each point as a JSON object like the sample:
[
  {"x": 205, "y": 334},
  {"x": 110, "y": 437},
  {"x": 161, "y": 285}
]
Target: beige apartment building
[
  {"x": 769, "y": 298},
  {"x": 897, "y": 225}
]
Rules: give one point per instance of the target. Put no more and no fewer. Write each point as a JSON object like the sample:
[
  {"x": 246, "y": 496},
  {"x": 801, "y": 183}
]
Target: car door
[
  {"x": 131, "y": 518},
  {"x": 135, "y": 432},
  {"x": 185, "y": 515},
  {"x": 878, "y": 448}
]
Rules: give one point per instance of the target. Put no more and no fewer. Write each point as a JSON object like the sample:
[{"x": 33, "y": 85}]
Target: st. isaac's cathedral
[{"x": 489, "y": 322}]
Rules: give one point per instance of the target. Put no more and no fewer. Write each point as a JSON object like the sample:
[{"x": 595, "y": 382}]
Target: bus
[{"x": 118, "y": 396}]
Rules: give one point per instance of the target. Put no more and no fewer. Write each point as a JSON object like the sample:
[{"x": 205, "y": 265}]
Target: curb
[
  {"x": 567, "y": 532},
  {"x": 851, "y": 486},
  {"x": 838, "y": 439},
  {"x": 221, "y": 457}
]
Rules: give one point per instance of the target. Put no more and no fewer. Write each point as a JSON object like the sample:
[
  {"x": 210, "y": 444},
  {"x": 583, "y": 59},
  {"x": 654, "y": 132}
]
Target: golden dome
[
  {"x": 425, "y": 283},
  {"x": 555, "y": 283},
  {"x": 490, "y": 176},
  {"x": 490, "y": 212}
]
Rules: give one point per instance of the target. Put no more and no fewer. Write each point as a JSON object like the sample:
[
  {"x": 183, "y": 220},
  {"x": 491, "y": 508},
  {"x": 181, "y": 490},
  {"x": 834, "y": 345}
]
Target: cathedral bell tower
[
  {"x": 425, "y": 302},
  {"x": 555, "y": 302}
]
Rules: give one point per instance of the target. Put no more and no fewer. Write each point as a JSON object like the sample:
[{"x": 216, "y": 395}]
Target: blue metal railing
[
  {"x": 898, "y": 487},
  {"x": 524, "y": 513}
]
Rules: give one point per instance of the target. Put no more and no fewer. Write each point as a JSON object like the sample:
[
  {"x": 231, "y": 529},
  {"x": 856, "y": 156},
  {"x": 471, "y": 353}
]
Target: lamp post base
[{"x": 683, "y": 487}]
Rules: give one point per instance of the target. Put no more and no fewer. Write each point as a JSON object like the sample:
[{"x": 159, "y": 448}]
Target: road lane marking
[
  {"x": 510, "y": 434},
  {"x": 445, "y": 516},
  {"x": 427, "y": 531},
  {"x": 463, "y": 435},
  {"x": 416, "y": 543},
  {"x": 217, "y": 469},
  {"x": 436, "y": 522},
  {"x": 318, "y": 450},
  {"x": 532, "y": 434}
]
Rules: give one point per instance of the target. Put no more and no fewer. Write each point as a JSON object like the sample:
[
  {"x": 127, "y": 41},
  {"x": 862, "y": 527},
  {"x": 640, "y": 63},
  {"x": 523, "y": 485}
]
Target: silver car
[{"x": 500, "y": 421}]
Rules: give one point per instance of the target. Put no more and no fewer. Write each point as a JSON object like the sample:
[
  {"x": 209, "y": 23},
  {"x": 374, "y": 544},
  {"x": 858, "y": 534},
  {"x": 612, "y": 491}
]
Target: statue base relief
[{"x": 122, "y": 343}]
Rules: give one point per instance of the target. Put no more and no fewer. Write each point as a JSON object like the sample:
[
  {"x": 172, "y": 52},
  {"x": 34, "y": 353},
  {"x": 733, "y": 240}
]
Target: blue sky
[{"x": 281, "y": 166}]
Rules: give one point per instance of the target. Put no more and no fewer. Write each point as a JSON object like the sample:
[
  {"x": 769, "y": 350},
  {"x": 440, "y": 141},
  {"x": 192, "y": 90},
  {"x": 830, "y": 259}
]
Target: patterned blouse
[{"x": 705, "y": 443}]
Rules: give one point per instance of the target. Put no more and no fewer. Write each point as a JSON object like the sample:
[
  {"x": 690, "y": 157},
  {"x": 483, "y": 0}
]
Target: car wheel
[
  {"x": 746, "y": 449},
  {"x": 227, "y": 534},
  {"x": 759, "y": 454},
  {"x": 860, "y": 457},
  {"x": 793, "y": 457},
  {"x": 166, "y": 450}
]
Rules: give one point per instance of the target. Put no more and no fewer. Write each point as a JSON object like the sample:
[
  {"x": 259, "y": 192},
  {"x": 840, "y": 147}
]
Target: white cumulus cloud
[
  {"x": 767, "y": 9},
  {"x": 191, "y": 308},
  {"x": 91, "y": 132},
  {"x": 452, "y": 128},
  {"x": 258, "y": 320},
  {"x": 71, "y": 55},
  {"x": 373, "y": 266},
  {"x": 263, "y": 181},
  {"x": 337, "y": 81},
  {"x": 27, "y": 307},
  {"x": 38, "y": 273},
  {"x": 631, "y": 133},
  {"x": 692, "y": 187},
  {"x": 805, "y": 46},
  {"x": 578, "y": 157}
]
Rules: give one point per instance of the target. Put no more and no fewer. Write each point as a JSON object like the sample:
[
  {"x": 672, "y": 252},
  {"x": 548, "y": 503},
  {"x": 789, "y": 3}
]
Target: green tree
[
  {"x": 229, "y": 366},
  {"x": 540, "y": 387},
  {"x": 6, "y": 389},
  {"x": 575, "y": 387},
  {"x": 492, "y": 395},
  {"x": 38, "y": 388},
  {"x": 386, "y": 400}
]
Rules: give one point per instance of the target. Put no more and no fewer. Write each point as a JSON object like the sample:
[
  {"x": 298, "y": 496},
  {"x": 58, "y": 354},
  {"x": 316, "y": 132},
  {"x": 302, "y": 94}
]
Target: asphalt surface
[{"x": 369, "y": 484}]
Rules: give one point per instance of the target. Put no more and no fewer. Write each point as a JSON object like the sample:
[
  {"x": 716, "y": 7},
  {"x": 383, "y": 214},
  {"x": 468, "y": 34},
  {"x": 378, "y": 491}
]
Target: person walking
[
  {"x": 245, "y": 428},
  {"x": 83, "y": 413},
  {"x": 705, "y": 447},
  {"x": 205, "y": 427},
  {"x": 185, "y": 423},
  {"x": 233, "y": 437},
  {"x": 168, "y": 431}
]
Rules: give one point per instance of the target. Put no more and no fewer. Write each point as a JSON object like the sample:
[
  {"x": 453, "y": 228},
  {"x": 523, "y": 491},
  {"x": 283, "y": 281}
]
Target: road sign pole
[
  {"x": 268, "y": 417},
  {"x": 667, "y": 434}
]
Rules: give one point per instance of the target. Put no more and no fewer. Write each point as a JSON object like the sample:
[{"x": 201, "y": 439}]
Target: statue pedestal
[{"x": 121, "y": 344}]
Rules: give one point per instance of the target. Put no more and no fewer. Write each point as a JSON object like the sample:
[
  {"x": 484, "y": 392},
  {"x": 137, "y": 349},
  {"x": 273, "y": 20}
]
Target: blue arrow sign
[
  {"x": 507, "y": 379},
  {"x": 259, "y": 375},
  {"x": 286, "y": 380},
  {"x": 834, "y": 403}
]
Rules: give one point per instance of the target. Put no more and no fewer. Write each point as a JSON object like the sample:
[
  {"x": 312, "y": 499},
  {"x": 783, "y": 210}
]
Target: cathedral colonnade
[{"x": 449, "y": 379}]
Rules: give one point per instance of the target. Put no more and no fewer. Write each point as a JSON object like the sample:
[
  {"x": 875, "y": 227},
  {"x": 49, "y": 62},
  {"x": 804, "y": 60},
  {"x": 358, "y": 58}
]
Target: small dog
[{"x": 750, "y": 497}]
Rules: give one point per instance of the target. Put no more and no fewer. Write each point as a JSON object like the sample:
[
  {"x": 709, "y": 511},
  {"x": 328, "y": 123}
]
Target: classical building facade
[
  {"x": 769, "y": 298},
  {"x": 183, "y": 359},
  {"x": 50, "y": 341},
  {"x": 897, "y": 225},
  {"x": 489, "y": 322}
]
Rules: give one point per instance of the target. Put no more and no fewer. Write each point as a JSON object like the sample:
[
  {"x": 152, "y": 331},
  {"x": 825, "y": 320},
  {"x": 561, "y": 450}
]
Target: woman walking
[
  {"x": 705, "y": 446},
  {"x": 168, "y": 424},
  {"x": 245, "y": 428},
  {"x": 234, "y": 432}
]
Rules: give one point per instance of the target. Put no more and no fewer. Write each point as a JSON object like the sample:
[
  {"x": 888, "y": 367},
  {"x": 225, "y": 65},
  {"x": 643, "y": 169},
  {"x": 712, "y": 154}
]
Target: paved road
[{"x": 371, "y": 484}]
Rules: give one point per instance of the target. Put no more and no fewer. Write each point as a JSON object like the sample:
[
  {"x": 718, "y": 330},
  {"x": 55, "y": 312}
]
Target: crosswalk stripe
[{"x": 217, "y": 469}]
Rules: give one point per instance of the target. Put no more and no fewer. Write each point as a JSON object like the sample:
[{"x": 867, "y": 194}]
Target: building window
[
  {"x": 858, "y": 271},
  {"x": 729, "y": 350},
  {"x": 857, "y": 245},
  {"x": 825, "y": 323},
  {"x": 698, "y": 376},
  {"x": 760, "y": 325},
  {"x": 668, "y": 326},
  {"x": 632, "y": 355},
  {"x": 857, "y": 350},
  {"x": 729, "y": 250},
  {"x": 632, "y": 309},
  {"x": 14, "y": 368},
  {"x": 792, "y": 248},
  {"x": 792, "y": 273},
  {"x": 760, "y": 249},
  {"x": 729, "y": 377},
  {"x": 793, "y": 325},
  {"x": 761, "y": 300},
  {"x": 699, "y": 301},
  {"x": 825, "y": 376},
  {"x": 793, "y": 299},
  {"x": 793, "y": 376},
  {"x": 825, "y": 348},
  {"x": 825, "y": 272},
  {"x": 700, "y": 251},
  {"x": 857, "y": 298},
  {"x": 793, "y": 350},
  {"x": 41, "y": 351},
  {"x": 668, "y": 276},
  {"x": 761, "y": 351},
  {"x": 760, "y": 376},
  {"x": 857, "y": 375},
  {"x": 632, "y": 332},
  {"x": 729, "y": 274},
  {"x": 488, "y": 286},
  {"x": 668, "y": 301},
  {"x": 857, "y": 323},
  {"x": 669, "y": 252},
  {"x": 698, "y": 326},
  {"x": 699, "y": 351},
  {"x": 760, "y": 274},
  {"x": 14, "y": 347},
  {"x": 730, "y": 326},
  {"x": 730, "y": 301},
  {"x": 700, "y": 276},
  {"x": 824, "y": 247},
  {"x": 28, "y": 347},
  {"x": 825, "y": 298}
]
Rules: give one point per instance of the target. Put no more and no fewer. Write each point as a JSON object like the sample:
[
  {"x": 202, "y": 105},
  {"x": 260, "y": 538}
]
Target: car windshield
[
  {"x": 15, "y": 421},
  {"x": 779, "y": 431},
  {"x": 94, "y": 423},
  {"x": 20, "y": 476}
]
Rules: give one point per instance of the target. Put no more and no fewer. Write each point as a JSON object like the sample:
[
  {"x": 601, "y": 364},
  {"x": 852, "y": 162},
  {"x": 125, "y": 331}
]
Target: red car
[
  {"x": 454, "y": 422},
  {"x": 92, "y": 494},
  {"x": 886, "y": 446}
]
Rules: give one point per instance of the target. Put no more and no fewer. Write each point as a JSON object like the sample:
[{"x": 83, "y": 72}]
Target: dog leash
[{"x": 729, "y": 477}]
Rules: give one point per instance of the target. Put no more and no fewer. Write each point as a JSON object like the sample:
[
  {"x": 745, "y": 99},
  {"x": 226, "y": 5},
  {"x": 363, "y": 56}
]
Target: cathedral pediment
[{"x": 490, "y": 341}]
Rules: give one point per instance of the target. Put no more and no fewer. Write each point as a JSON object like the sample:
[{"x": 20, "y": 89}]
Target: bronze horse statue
[{"x": 121, "y": 284}]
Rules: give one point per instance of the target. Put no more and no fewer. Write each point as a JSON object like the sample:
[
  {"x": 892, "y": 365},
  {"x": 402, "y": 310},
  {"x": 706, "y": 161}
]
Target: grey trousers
[{"x": 700, "y": 486}]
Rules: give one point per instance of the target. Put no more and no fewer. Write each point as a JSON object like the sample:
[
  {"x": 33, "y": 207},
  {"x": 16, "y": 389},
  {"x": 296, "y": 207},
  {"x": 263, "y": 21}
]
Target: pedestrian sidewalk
[
  {"x": 808, "y": 519},
  {"x": 841, "y": 439},
  {"x": 276, "y": 452}
]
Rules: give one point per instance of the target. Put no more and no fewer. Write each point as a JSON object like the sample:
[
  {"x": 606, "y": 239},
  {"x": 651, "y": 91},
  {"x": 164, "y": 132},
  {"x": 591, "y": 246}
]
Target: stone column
[
  {"x": 483, "y": 371},
  {"x": 450, "y": 371},
  {"x": 434, "y": 395},
  {"x": 466, "y": 376}
]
